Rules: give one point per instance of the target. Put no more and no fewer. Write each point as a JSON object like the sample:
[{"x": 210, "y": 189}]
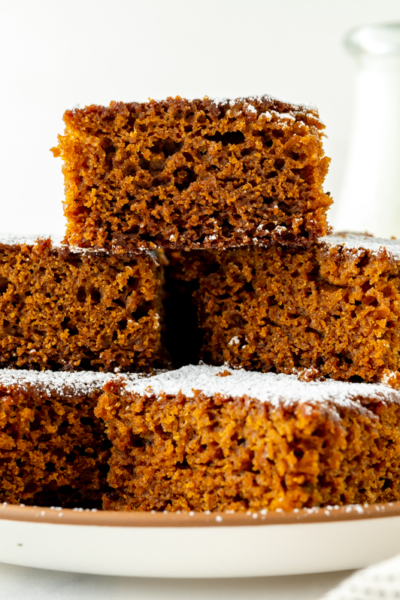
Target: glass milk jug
[{"x": 370, "y": 199}]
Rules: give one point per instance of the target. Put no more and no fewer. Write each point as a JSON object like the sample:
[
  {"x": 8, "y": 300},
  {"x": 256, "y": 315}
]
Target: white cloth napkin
[{"x": 380, "y": 582}]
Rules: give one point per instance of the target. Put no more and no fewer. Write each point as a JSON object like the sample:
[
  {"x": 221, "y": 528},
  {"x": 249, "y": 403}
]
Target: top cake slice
[{"x": 183, "y": 173}]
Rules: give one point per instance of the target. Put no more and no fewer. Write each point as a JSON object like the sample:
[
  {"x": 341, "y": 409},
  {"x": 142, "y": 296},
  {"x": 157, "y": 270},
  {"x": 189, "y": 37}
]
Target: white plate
[{"x": 198, "y": 544}]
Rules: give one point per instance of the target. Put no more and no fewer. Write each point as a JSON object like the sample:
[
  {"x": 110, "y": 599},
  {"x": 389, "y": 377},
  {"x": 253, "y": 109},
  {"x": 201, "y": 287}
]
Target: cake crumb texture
[
  {"x": 293, "y": 445},
  {"x": 53, "y": 449},
  {"x": 65, "y": 310},
  {"x": 179, "y": 173},
  {"x": 333, "y": 307}
]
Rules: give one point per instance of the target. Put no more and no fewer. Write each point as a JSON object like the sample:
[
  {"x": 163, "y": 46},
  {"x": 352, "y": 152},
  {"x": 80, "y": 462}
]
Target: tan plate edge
[{"x": 67, "y": 516}]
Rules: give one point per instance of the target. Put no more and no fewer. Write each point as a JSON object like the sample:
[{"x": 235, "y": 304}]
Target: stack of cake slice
[{"x": 196, "y": 232}]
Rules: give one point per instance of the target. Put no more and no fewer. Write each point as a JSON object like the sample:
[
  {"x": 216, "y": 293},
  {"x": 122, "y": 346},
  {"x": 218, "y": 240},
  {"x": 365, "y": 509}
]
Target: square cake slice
[
  {"x": 53, "y": 449},
  {"x": 182, "y": 173},
  {"x": 334, "y": 307},
  {"x": 66, "y": 309},
  {"x": 215, "y": 438}
]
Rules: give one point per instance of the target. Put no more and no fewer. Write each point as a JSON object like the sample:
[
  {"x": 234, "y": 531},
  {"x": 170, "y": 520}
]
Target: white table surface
[{"x": 22, "y": 583}]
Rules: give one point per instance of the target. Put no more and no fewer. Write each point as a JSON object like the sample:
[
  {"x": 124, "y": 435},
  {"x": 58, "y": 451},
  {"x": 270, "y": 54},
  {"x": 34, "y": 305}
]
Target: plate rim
[{"x": 153, "y": 519}]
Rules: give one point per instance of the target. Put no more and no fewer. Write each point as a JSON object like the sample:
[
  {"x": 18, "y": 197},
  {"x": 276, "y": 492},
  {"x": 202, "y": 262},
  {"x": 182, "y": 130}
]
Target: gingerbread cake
[
  {"x": 334, "y": 307},
  {"x": 182, "y": 173},
  {"x": 53, "y": 449},
  {"x": 215, "y": 438},
  {"x": 68, "y": 309}
]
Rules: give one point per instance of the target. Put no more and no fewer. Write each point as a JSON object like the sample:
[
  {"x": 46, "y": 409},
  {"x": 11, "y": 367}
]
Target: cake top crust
[
  {"x": 275, "y": 389},
  {"x": 59, "y": 382},
  {"x": 255, "y": 107},
  {"x": 15, "y": 239},
  {"x": 278, "y": 105},
  {"x": 361, "y": 242},
  {"x": 57, "y": 243}
]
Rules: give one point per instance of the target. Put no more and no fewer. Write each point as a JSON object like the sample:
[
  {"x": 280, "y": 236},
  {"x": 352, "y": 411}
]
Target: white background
[{"x": 55, "y": 54}]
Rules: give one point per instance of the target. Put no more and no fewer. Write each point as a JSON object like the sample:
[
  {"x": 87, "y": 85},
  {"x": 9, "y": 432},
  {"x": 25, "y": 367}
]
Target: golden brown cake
[
  {"x": 66, "y": 309},
  {"x": 183, "y": 173},
  {"x": 53, "y": 449},
  {"x": 215, "y": 438},
  {"x": 334, "y": 307}
]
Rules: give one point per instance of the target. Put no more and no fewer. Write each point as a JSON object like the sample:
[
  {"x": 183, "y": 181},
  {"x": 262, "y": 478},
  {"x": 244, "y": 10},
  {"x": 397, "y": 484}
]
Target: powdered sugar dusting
[
  {"x": 60, "y": 382},
  {"x": 352, "y": 241},
  {"x": 276, "y": 389},
  {"x": 247, "y": 104},
  {"x": 251, "y": 109},
  {"x": 297, "y": 106},
  {"x": 284, "y": 116},
  {"x": 10, "y": 239}
]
